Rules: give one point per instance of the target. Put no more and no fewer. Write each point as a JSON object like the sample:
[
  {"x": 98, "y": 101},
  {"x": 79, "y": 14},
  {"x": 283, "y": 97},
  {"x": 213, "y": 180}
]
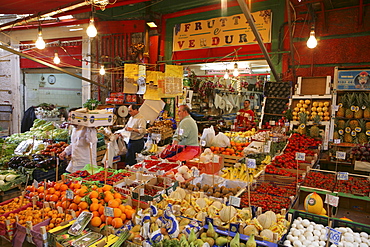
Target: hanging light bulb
[
  {"x": 312, "y": 41},
  {"x": 236, "y": 71},
  {"x": 56, "y": 58},
  {"x": 226, "y": 75},
  {"x": 40, "y": 43},
  {"x": 91, "y": 29},
  {"x": 102, "y": 70}
]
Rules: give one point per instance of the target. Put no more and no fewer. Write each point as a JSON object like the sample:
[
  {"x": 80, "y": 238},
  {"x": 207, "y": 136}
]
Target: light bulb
[
  {"x": 226, "y": 75},
  {"x": 312, "y": 41},
  {"x": 40, "y": 43},
  {"x": 56, "y": 58},
  {"x": 102, "y": 70},
  {"x": 91, "y": 29},
  {"x": 236, "y": 71}
]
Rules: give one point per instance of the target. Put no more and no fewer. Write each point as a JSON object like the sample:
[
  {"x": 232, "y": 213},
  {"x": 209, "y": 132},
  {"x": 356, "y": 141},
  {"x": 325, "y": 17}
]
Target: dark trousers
[{"x": 133, "y": 147}]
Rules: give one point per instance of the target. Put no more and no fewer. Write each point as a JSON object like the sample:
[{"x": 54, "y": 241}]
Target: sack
[
  {"x": 207, "y": 136},
  {"x": 221, "y": 140},
  {"x": 122, "y": 146}
]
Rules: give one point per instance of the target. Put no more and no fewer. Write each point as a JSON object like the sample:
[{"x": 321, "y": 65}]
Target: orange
[
  {"x": 95, "y": 214},
  {"x": 40, "y": 189},
  {"x": 102, "y": 217},
  {"x": 95, "y": 200},
  {"x": 117, "y": 195},
  {"x": 94, "y": 207},
  {"x": 94, "y": 194},
  {"x": 57, "y": 186},
  {"x": 117, "y": 222},
  {"x": 77, "y": 199},
  {"x": 113, "y": 203},
  {"x": 41, "y": 195},
  {"x": 95, "y": 221},
  {"x": 73, "y": 206},
  {"x": 123, "y": 216},
  {"x": 81, "y": 192},
  {"x": 109, "y": 220},
  {"x": 122, "y": 207},
  {"x": 129, "y": 213},
  {"x": 64, "y": 187},
  {"x": 101, "y": 209},
  {"x": 83, "y": 205},
  {"x": 108, "y": 197},
  {"x": 117, "y": 212},
  {"x": 102, "y": 225},
  {"x": 107, "y": 187},
  {"x": 128, "y": 206},
  {"x": 54, "y": 198},
  {"x": 51, "y": 191},
  {"x": 65, "y": 204}
]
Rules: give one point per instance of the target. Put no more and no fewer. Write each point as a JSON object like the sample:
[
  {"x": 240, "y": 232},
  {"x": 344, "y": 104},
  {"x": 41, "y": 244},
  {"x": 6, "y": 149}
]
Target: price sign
[
  {"x": 216, "y": 159},
  {"x": 35, "y": 184},
  {"x": 233, "y": 126},
  {"x": 342, "y": 175},
  {"x": 234, "y": 201},
  {"x": 251, "y": 163},
  {"x": 340, "y": 155},
  {"x": 69, "y": 194},
  {"x": 272, "y": 122},
  {"x": 267, "y": 147},
  {"x": 196, "y": 173},
  {"x": 234, "y": 227},
  {"x": 157, "y": 198},
  {"x": 141, "y": 192},
  {"x": 336, "y": 141},
  {"x": 332, "y": 200},
  {"x": 333, "y": 235},
  {"x": 287, "y": 124},
  {"x": 300, "y": 156},
  {"x": 108, "y": 211},
  {"x": 203, "y": 143},
  {"x": 157, "y": 137},
  {"x": 335, "y": 107},
  {"x": 274, "y": 139},
  {"x": 160, "y": 172}
]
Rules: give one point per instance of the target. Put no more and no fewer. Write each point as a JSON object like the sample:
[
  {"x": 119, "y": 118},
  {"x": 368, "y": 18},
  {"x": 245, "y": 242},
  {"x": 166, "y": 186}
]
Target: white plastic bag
[
  {"x": 221, "y": 140},
  {"x": 207, "y": 136}
]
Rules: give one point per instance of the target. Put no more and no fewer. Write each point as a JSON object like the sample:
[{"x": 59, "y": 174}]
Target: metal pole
[
  {"x": 291, "y": 40},
  {"x": 249, "y": 18},
  {"x": 50, "y": 65}
]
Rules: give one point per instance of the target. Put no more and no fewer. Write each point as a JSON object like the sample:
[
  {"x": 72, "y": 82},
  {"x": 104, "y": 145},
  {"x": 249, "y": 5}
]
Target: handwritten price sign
[
  {"x": 332, "y": 200},
  {"x": 333, "y": 235},
  {"x": 300, "y": 156},
  {"x": 342, "y": 175}
]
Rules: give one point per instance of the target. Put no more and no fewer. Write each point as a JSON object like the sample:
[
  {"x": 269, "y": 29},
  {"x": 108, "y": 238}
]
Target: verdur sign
[{"x": 223, "y": 31}]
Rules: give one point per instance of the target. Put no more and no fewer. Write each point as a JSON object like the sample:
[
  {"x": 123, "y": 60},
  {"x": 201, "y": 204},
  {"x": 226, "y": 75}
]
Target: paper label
[
  {"x": 332, "y": 200},
  {"x": 69, "y": 194},
  {"x": 342, "y": 175},
  {"x": 181, "y": 132},
  {"x": 251, "y": 163},
  {"x": 340, "y": 155},
  {"x": 203, "y": 143},
  {"x": 216, "y": 159},
  {"x": 108, "y": 211},
  {"x": 333, "y": 235},
  {"x": 300, "y": 156},
  {"x": 336, "y": 141},
  {"x": 157, "y": 198},
  {"x": 335, "y": 107},
  {"x": 234, "y": 201},
  {"x": 141, "y": 192},
  {"x": 272, "y": 122}
]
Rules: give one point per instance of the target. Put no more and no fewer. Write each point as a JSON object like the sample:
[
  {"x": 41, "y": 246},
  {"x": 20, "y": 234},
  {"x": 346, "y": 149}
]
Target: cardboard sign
[
  {"x": 332, "y": 200},
  {"x": 333, "y": 235},
  {"x": 251, "y": 163},
  {"x": 300, "y": 156},
  {"x": 342, "y": 175}
]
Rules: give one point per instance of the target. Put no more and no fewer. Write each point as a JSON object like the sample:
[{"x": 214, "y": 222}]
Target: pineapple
[
  {"x": 361, "y": 136},
  {"x": 314, "y": 130},
  {"x": 358, "y": 113},
  {"x": 367, "y": 105},
  {"x": 347, "y": 133},
  {"x": 350, "y": 101},
  {"x": 341, "y": 110},
  {"x": 341, "y": 124},
  {"x": 353, "y": 124},
  {"x": 367, "y": 126},
  {"x": 302, "y": 123}
]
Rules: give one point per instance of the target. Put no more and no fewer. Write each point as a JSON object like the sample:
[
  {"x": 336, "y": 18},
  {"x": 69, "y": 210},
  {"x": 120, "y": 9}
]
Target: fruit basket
[{"x": 320, "y": 180}]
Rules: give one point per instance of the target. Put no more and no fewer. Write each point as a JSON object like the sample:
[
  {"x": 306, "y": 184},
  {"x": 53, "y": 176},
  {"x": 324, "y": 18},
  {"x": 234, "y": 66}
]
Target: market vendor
[
  {"x": 245, "y": 116},
  {"x": 187, "y": 130},
  {"x": 83, "y": 141},
  {"x": 137, "y": 126}
]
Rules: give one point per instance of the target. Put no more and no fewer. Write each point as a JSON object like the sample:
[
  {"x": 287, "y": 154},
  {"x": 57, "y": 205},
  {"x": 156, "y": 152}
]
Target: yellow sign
[{"x": 223, "y": 31}]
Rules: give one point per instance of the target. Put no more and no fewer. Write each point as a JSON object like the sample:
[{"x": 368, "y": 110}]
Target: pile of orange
[
  {"x": 91, "y": 199},
  {"x": 235, "y": 149},
  {"x": 13, "y": 205}
]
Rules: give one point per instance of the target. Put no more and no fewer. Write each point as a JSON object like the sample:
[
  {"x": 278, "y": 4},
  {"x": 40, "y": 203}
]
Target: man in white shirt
[{"x": 137, "y": 126}]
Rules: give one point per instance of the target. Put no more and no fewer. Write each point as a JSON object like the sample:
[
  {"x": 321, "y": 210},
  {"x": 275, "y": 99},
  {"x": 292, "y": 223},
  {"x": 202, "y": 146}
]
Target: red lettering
[
  {"x": 215, "y": 40},
  {"x": 181, "y": 43},
  {"x": 191, "y": 43},
  {"x": 187, "y": 26}
]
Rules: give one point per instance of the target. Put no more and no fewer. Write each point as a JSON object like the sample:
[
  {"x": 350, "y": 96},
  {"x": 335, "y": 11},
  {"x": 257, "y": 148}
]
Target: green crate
[{"x": 356, "y": 227}]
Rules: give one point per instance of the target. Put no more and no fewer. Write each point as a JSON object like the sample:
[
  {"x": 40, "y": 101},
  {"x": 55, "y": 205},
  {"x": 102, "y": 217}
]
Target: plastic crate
[
  {"x": 356, "y": 227},
  {"x": 41, "y": 175}
]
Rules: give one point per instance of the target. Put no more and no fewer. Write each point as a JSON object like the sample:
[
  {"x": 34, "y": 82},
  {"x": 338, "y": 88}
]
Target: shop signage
[
  {"x": 353, "y": 80},
  {"x": 223, "y": 31}
]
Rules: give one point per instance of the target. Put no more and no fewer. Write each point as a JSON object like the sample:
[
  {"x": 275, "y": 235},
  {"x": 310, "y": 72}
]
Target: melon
[
  {"x": 313, "y": 203},
  {"x": 272, "y": 215},
  {"x": 249, "y": 230},
  {"x": 267, "y": 234},
  {"x": 227, "y": 213},
  {"x": 265, "y": 220}
]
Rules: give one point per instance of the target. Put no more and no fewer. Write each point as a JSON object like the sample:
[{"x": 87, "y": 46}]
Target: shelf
[
  {"x": 274, "y": 114},
  {"x": 286, "y": 98},
  {"x": 322, "y": 123},
  {"x": 325, "y": 96},
  {"x": 344, "y": 118}
]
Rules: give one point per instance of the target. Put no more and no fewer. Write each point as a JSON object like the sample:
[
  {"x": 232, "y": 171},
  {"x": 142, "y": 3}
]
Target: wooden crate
[
  {"x": 313, "y": 85},
  {"x": 100, "y": 155},
  {"x": 229, "y": 160}
]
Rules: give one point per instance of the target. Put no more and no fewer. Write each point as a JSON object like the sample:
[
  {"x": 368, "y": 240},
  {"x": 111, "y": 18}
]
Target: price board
[
  {"x": 342, "y": 175},
  {"x": 340, "y": 155},
  {"x": 332, "y": 200},
  {"x": 234, "y": 201},
  {"x": 300, "y": 156},
  {"x": 108, "y": 211},
  {"x": 333, "y": 235},
  {"x": 69, "y": 194},
  {"x": 251, "y": 163}
]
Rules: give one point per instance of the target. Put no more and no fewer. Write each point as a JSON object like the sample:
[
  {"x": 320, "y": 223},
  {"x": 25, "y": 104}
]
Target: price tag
[
  {"x": 233, "y": 126},
  {"x": 300, "y": 156},
  {"x": 274, "y": 139},
  {"x": 69, "y": 194},
  {"x": 272, "y": 122},
  {"x": 234, "y": 227},
  {"x": 181, "y": 132},
  {"x": 287, "y": 124},
  {"x": 216, "y": 159},
  {"x": 196, "y": 173},
  {"x": 336, "y": 141},
  {"x": 332, "y": 200},
  {"x": 235, "y": 121},
  {"x": 256, "y": 107},
  {"x": 203, "y": 143},
  {"x": 35, "y": 184},
  {"x": 342, "y": 175},
  {"x": 157, "y": 198},
  {"x": 234, "y": 201},
  {"x": 340, "y": 155},
  {"x": 108, "y": 211},
  {"x": 251, "y": 163},
  {"x": 333, "y": 235},
  {"x": 267, "y": 147},
  {"x": 157, "y": 137},
  {"x": 141, "y": 192},
  {"x": 335, "y": 107}
]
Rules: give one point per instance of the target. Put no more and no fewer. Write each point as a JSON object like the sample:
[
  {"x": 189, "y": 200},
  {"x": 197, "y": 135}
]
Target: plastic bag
[
  {"x": 221, "y": 140},
  {"x": 208, "y": 136}
]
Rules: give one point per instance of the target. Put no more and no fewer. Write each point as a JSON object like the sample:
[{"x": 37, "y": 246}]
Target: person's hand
[
  {"x": 62, "y": 155},
  {"x": 129, "y": 129}
]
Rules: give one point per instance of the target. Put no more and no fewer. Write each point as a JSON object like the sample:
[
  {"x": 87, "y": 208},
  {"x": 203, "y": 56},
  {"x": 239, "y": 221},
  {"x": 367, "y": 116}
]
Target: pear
[
  {"x": 211, "y": 231},
  {"x": 251, "y": 242},
  {"x": 235, "y": 242},
  {"x": 136, "y": 228},
  {"x": 192, "y": 237},
  {"x": 221, "y": 241},
  {"x": 210, "y": 241},
  {"x": 198, "y": 243},
  {"x": 203, "y": 236}
]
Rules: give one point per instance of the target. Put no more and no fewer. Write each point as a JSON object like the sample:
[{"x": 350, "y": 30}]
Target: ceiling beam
[{"x": 50, "y": 65}]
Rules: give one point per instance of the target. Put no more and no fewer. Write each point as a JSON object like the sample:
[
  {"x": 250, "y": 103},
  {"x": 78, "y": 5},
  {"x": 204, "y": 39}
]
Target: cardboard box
[{"x": 91, "y": 120}]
